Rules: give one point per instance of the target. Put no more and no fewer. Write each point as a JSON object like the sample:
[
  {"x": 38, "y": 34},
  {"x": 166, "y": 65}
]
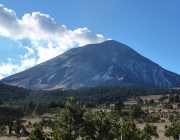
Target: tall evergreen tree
[
  {"x": 101, "y": 127},
  {"x": 150, "y": 131},
  {"x": 37, "y": 134},
  {"x": 119, "y": 106},
  {"x": 130, "y": 131},
  {"x": 173, "y": 130},
  {"x": 69, "y": 122},
  {"x": 9, "y": 115},
  {"x": 40, "y": 108}
]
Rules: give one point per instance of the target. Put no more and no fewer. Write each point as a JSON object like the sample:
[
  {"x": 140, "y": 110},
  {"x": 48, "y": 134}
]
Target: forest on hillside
[{"x": 93, "y": 95}]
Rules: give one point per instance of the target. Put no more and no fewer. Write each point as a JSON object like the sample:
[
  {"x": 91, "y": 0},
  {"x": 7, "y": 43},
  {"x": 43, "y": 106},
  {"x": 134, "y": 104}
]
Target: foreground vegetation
[
  {"x": 100, "y": 113},
  {"x": 74, "y": 121}
]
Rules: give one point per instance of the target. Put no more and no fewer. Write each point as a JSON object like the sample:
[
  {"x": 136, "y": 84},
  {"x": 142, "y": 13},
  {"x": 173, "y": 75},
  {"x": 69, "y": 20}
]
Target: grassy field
[{"x": 155, "y": 110}]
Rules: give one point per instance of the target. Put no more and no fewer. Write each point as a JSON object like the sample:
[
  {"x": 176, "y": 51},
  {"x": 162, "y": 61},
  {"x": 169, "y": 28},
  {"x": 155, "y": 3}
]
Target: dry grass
[
  {"x": 151, "y": 109},
  {"x": 155, "y": 111},
  {"x": 32, "y": 120},
  {"x": 160, "y": 130},
  {"x": 12, "y": 138}
]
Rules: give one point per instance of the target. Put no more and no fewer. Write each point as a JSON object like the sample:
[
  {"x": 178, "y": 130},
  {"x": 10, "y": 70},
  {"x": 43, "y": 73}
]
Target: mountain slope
[{"x": 107, "y": 63}]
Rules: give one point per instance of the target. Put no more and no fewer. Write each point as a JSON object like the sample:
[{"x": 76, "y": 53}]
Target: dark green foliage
[
  {"x": 105, "y": 128},
  {"x": 173, "y": 130},
  {"x": 12, "y": 93},
  {"x": 73, "y": 122},
  {"x": 135, "y": 111},
  {"x": 176, "y": 99},
  {"x": 95, "y": 95},
  {"x": 30, "y": 108},
  {"x": 31, "y": 105},
  {"x": 18, "y": 125},
  {"x": 88, "y": 128},
  {"x": 150, "y": 131},
  {"x": 178, "y": 105},
  {"x": 28, "y": 111},
  {"x": 52, "y": 104},
  {"x": 24, "y": 131},
  {"x": 161, "y": 99},
  {"x": 171, "y": 118},
  {"x": 40, "y": 108},
  {"x": 37, "y": 134},
  {"x": 151, "y": 101},
  {"x": 2, "y": 130},
  {"x": 9, "y": 115},
  {"x": 140, "y": 101},
  {"x": 168, "y": 106},
  {"x": 130, "y": 131},
  {"x": 145, "y": 102},
  {"x": 46, "y": 123},
  {"x": 1, "y": 102},
  {"x": 171, "y": 99},
  {"x": 90, "y": 104},
  {"x": 68, "y": 124},
  {"x": 152, "y": 119},
  {"x": 107, "y": 104},
  {"x": 119, "y": 106},
  {"x": 89, "y": 96}
]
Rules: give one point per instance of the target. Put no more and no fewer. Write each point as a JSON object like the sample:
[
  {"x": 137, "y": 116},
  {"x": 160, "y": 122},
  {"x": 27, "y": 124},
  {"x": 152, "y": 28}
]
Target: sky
[{"x": 34, "y": 31}]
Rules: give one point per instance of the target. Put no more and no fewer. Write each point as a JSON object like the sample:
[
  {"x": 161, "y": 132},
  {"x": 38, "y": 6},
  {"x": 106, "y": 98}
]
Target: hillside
[{"x": 12, "y": 93}]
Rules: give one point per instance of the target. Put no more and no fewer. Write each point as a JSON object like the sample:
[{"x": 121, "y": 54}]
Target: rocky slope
[{"x": 107, "y": 63}]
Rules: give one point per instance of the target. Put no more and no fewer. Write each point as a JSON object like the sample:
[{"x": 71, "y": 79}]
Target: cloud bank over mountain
[{"x": 47, "y": 38}]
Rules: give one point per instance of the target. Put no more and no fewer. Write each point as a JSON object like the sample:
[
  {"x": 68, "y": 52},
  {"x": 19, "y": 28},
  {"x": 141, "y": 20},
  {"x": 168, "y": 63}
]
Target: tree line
[{"x": 90, "y": 96}]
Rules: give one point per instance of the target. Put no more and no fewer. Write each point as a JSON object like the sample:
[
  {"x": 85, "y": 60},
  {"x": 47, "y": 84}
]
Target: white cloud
[
  {"x": 30, "y": 50},
  {"x": 38, "y": 26},
  {"x": 9, "y": 59},
  {"x": 9, "y": 20},
  {"x": 49, "y": 52},
  {"x": 26, "y": 55},
  {"x": 8, "y": 68},
  {"x": 26, "y": 63},
  {"x": 49, "y": 39}
]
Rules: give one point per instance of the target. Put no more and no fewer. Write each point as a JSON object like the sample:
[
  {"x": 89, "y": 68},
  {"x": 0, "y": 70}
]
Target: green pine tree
[
  {"x": 130, "y": 131},
  {"x": 150, "y": 131},
  {"x": 69, "y": 123}
]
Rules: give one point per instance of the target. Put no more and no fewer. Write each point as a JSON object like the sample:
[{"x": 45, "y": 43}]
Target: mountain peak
[{"x": 106, "y": 63}]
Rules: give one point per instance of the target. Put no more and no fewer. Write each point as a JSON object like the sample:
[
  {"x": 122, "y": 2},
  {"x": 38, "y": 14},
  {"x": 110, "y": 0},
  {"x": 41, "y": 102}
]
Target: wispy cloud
[
  {"x": 8, "y": 68},
  {"x": 48, "y": 38},
  {"x": 30, "y": 50}
]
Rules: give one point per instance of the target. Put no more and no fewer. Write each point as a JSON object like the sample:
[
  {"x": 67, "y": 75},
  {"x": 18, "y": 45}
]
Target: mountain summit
[{"x": 107, "y": 63}]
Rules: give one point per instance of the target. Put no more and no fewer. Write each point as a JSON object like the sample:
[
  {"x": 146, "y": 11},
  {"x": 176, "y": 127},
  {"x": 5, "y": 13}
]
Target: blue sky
[{"x": 34, "y": 31}]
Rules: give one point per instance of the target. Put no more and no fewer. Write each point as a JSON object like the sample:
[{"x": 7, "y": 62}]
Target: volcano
[{"x": 105, "y": 64}]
